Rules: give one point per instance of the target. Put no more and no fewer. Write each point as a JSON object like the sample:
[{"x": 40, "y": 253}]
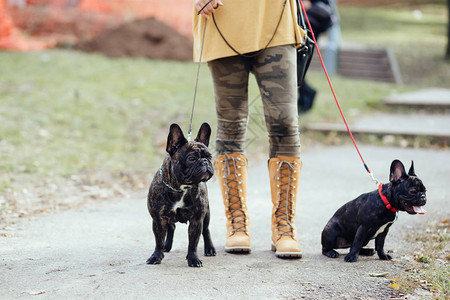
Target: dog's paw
[
  {"x": 331, "y": 253},
  {"x": 367, "y": 251},
  {"x": 210, "y": 251},
  {"x": 194, "y": 261},
  {"x": 168, "y": 245},
  {"x": 384, "y": 256},
  {"x": 156, "y": 258},
  {"x": 351, "y": 257}
]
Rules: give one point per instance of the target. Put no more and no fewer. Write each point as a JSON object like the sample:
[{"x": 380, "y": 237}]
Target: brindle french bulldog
[
  {"x": 370, "y": 215},
  {"x": 178, "y": 194}
]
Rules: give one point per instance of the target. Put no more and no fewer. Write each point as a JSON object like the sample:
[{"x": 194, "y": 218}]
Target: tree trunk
[{"x": 447, "y": 53}]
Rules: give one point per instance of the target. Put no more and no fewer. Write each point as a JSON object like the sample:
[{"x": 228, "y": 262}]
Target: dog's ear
[
  {"x": 397, "y": 171},
  {"x": 203, "y": 134},
  {"x": 411, "y": 170},
  {"x": 175, "y": 139}
]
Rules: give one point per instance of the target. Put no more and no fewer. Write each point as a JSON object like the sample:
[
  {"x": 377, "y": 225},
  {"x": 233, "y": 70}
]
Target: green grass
[
  {"x": 430, "y": 271},
  {"x": 422, "y": 25},
  {"x": 64, "y": 112},
  {"x": 355, "y": 97},
  {"x": 417, "y": 34}
]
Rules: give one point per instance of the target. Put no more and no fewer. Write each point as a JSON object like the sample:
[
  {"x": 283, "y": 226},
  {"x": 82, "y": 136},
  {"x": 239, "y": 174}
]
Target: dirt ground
[
  {"x": 99, "y": 250},
  {"x": 148, "y": 38}
]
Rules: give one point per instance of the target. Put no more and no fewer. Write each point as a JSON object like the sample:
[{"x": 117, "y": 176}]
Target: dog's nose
[{"x": 423, "y": 197}]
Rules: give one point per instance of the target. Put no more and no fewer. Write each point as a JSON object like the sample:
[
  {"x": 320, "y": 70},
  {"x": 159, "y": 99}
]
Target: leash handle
[
  {"x": 204, "y": 6},
  {"x": 334, "y": 94}
]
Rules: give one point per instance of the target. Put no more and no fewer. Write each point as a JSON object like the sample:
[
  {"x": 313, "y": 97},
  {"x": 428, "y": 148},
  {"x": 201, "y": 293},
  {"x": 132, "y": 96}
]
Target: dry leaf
[
  {"x": 395, "y": 286},
  {"x": 37, "y": 293},
  {"x": 378, "y": 274}
]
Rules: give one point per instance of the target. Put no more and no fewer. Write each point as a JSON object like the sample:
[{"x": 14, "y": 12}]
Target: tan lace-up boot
[
  {"x": 231, "y": 171},
  {"x": 284, "y": 172}
]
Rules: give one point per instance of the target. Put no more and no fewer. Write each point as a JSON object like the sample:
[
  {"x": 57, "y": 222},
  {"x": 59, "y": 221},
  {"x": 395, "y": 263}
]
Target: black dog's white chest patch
[
  {"x": 381, "y": 229},
  {"x": 180, "y": 203}
]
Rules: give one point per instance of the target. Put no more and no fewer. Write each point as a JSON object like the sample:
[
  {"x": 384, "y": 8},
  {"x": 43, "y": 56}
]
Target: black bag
[
  {"x": 306, "y": 51},
  {"x": 304, "y": 56}
]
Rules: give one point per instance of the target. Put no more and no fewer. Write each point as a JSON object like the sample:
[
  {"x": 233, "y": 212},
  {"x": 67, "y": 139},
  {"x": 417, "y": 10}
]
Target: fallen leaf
[
  {"x": 37, "y": 293},
  {"x": 395, "y": 286},
  {"x": 378, "y": 274}
]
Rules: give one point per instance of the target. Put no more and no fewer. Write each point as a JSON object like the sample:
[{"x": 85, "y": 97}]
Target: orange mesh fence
[
  {"x": 5, "y": 21},
  {"x": 70, "y": 20},
  {"x": 175, "y": 13}
]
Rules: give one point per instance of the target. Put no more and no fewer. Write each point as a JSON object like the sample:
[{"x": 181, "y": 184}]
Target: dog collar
[
  {"x": 385, "y": 200},
  {"x": 166, "y": 184}
]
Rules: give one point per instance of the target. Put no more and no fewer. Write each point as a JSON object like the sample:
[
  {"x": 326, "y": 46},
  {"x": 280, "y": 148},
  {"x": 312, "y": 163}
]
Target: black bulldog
[
  {"x": 370, "y": 215},
  {"x": 178, "y": 194}
]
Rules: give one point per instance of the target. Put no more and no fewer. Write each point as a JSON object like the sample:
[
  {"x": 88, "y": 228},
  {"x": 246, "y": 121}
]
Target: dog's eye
[
  {"x": 206, "y": 154},
  {"x": 192, "y": 158}
]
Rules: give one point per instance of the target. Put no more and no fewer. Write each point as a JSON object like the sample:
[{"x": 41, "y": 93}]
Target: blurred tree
[{"x": 447, "y": 54}]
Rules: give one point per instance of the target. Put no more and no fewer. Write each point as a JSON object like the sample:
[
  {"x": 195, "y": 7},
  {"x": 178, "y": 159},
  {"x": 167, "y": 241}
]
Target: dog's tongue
[{"x": 419, "y": 210}]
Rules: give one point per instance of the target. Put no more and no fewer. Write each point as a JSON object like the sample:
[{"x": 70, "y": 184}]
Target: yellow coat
[{"x": 247, "y": 25}]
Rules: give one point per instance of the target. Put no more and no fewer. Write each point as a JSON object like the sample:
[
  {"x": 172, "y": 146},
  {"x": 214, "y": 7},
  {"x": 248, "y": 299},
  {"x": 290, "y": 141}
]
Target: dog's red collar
[{"x": 385, "y": 200}]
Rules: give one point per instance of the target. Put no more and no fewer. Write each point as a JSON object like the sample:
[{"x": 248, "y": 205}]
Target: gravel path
[{"x": 99, "y": 251}]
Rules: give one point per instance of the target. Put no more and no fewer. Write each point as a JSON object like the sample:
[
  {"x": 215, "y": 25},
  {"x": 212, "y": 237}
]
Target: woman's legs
[
  {"x": 230, "y": 77},
  {"x": 275, "y": 72}
]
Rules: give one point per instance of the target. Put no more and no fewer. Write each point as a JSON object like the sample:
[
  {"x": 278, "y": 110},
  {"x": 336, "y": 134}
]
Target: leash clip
[{"x": 377, "y": 182}]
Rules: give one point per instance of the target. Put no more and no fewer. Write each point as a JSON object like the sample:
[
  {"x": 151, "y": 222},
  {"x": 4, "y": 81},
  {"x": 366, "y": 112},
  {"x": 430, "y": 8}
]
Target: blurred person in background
[{"x": 321, "y": 15}]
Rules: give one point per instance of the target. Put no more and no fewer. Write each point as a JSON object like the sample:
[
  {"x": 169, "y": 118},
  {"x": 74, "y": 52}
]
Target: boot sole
[
  {"x": 238, "y": 249},
  {"x": 286, "y": 254}
]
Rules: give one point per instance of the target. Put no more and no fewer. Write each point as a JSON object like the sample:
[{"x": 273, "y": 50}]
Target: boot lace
[
  {"x": 235, "y": 198},
  {"x": 285, "y": 176}
]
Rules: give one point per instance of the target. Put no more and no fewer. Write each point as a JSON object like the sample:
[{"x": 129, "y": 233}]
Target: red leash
[{"x": 334, "y": 94}]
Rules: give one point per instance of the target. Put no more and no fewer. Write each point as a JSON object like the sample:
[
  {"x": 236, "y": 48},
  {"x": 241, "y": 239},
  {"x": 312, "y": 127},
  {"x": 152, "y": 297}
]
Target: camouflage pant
[{"x": 276, "y": 75}]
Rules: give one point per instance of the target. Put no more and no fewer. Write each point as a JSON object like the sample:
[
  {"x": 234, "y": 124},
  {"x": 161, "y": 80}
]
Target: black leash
[
  {"x": 255, "y": 53},
  {"x": 198, "y": 73}
]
